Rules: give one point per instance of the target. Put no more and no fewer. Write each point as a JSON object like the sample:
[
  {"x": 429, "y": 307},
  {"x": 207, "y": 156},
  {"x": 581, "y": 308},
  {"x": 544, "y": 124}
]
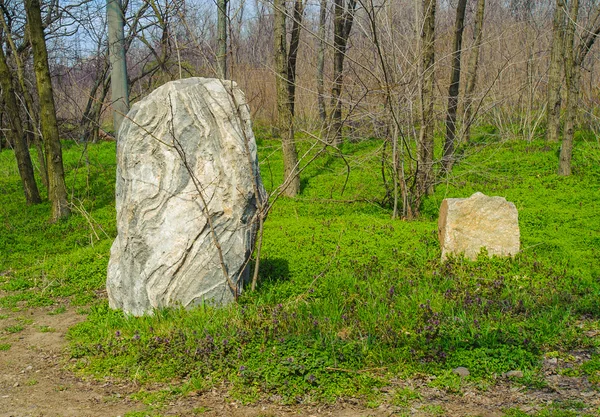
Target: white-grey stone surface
[
  {"x": 188, "y": 135},
  {"x": 466, "y": 225}
]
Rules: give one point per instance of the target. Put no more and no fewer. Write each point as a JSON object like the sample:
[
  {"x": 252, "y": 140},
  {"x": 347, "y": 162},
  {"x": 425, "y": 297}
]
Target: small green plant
[
  {"x": 14, "y": 329},
  {"x": 149, "y": 412},
  {"x": 4, "y": 346},
  {"x": 515, "y": 412},
  {"x": 46, "y": 329},
  {"x": 58, "y": 310},
  {"x": 404, "y": 397},
  {"x": 433, "y": 410},
  {"x": 448, "y": 381}
]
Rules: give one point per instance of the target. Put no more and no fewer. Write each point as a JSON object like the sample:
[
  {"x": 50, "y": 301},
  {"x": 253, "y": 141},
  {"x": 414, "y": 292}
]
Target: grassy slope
[{"x": 348, "y": 298}]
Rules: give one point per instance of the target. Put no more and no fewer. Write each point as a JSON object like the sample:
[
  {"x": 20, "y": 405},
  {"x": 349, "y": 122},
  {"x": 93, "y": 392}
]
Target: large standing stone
[
  {"x": 185, "y": 154},
  {"x": 468, "y": 224}
]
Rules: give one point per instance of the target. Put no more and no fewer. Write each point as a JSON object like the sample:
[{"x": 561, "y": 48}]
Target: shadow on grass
[{"x": 274, "y": 270}]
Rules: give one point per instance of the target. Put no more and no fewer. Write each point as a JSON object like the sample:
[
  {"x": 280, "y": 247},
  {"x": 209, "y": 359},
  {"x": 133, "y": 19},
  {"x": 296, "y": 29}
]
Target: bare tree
[
  {"x": 118, "y": 63},
  {"x": 222, "y": 40},
  {"x": 425, "y": 174},
  {"x": 27, "y": 97},
  {"x": 555, "y": 72},
  {"x": 342, "y": 25},
  {"x": 472, "y": 69},
  {"x": 575, "y": 56},
  {"x": 32, "y": 195},
  {"x": 285, "y": 67},
  {"x": 322, "y": 32},
  {"x": 57, "y": 192},
  {"x": 459, "y": 25}
]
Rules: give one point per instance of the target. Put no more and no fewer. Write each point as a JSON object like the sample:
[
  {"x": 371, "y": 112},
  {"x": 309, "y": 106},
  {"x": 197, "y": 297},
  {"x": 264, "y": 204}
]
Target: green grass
[
  {"x": 14, "y": 329},
  {"x": 348, "y": 298}
]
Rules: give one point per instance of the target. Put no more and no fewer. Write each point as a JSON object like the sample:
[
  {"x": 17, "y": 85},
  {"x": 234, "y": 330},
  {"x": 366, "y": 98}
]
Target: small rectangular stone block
[{"x": 466, "y": 225}]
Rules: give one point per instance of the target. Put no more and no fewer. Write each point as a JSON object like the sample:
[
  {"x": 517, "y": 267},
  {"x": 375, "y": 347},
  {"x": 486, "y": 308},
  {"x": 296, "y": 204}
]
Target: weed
[
  {"x": 46, "y": 329},
  {"x": 14, "y": 329},
  {"x": 448, "y": 381},
  {"x": 404, "y": 397},
  {"x": 57, "y": 310},
  {"x": 433, "y": 410}
]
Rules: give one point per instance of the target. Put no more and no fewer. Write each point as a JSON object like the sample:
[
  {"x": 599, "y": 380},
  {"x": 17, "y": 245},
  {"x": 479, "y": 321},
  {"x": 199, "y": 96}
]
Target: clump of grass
[{"x": 14, "y": 329}]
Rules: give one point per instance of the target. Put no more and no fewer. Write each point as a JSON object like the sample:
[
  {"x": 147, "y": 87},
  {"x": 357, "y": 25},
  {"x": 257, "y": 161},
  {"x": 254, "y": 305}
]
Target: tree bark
[
  {"x": 57, "y": 192},
  {"x": 285, "y": 102},
  {"x": 118, "y": 63},
  {"x": 321, "y": 61},
  {"x": 32, "y": 195},
  {"x": 459, "y": 25},
  {"x": 472, "y": 68},
  {"x": 572, "y": 82},
  {"x": 222, "y": 40},
  {"x": 555, "y": 73},
  {"x": 425, "y": 176},
  {"x": 342, "y": 25}
]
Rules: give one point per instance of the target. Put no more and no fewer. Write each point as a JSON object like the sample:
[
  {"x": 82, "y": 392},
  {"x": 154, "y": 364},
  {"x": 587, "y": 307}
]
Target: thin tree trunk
[
  {"x": 321, "y": 61},
  {"x": 88, "y": 120},
  {"x": 555, "y": 73},
  {"x": 57, "y": 192},
  {"x": 459, "y": 25},
  {"x": 575, "y": 56},
  {"x": 118, "y": 63},
  {"x": 425, "y": 175},
  {"x": 342, "y": 25},
  {"x": 29, "y": 104},
  {"x": 572, "y": 82},
  {"x": 32, "y": 195},
  {"x": 2, "y": 139},
  {"x": 222, "y": 40},
  {"x": 293, "y": 53},
  {"x": 472, "y": 68},
  {"x": 285, "y": 108}
]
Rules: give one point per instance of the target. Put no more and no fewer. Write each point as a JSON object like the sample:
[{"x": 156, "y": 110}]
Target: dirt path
[{"x": 34, "y": 381}]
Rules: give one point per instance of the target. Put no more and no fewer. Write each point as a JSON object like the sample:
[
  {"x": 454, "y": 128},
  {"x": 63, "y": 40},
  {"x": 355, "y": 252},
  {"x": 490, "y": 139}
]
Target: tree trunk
[
  {"x": 57, "y": 192},
  {"x": 222, "y": 40},
  {"x": 118, "y": 63},
  {"x": 472, "y": 67},
  {"x": 575, "y": 56},
  {"x": 293, "y": 54},
  {"x": 32, "y": 195},
  {"x": 572, "y": 82},
  {"x": 342, "y": 25},
  {"x": 88, "y": 120},
  {"x": 425, "y": 177},
  {"x": 2, "y": 139},
  {"x": 321, "y": 61},
  {"x": 459, "y": 25},
  {"x": 285, "y": 107},
  {"x": 29, "y": 103},
  {"x": 555, "y": 73}
]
